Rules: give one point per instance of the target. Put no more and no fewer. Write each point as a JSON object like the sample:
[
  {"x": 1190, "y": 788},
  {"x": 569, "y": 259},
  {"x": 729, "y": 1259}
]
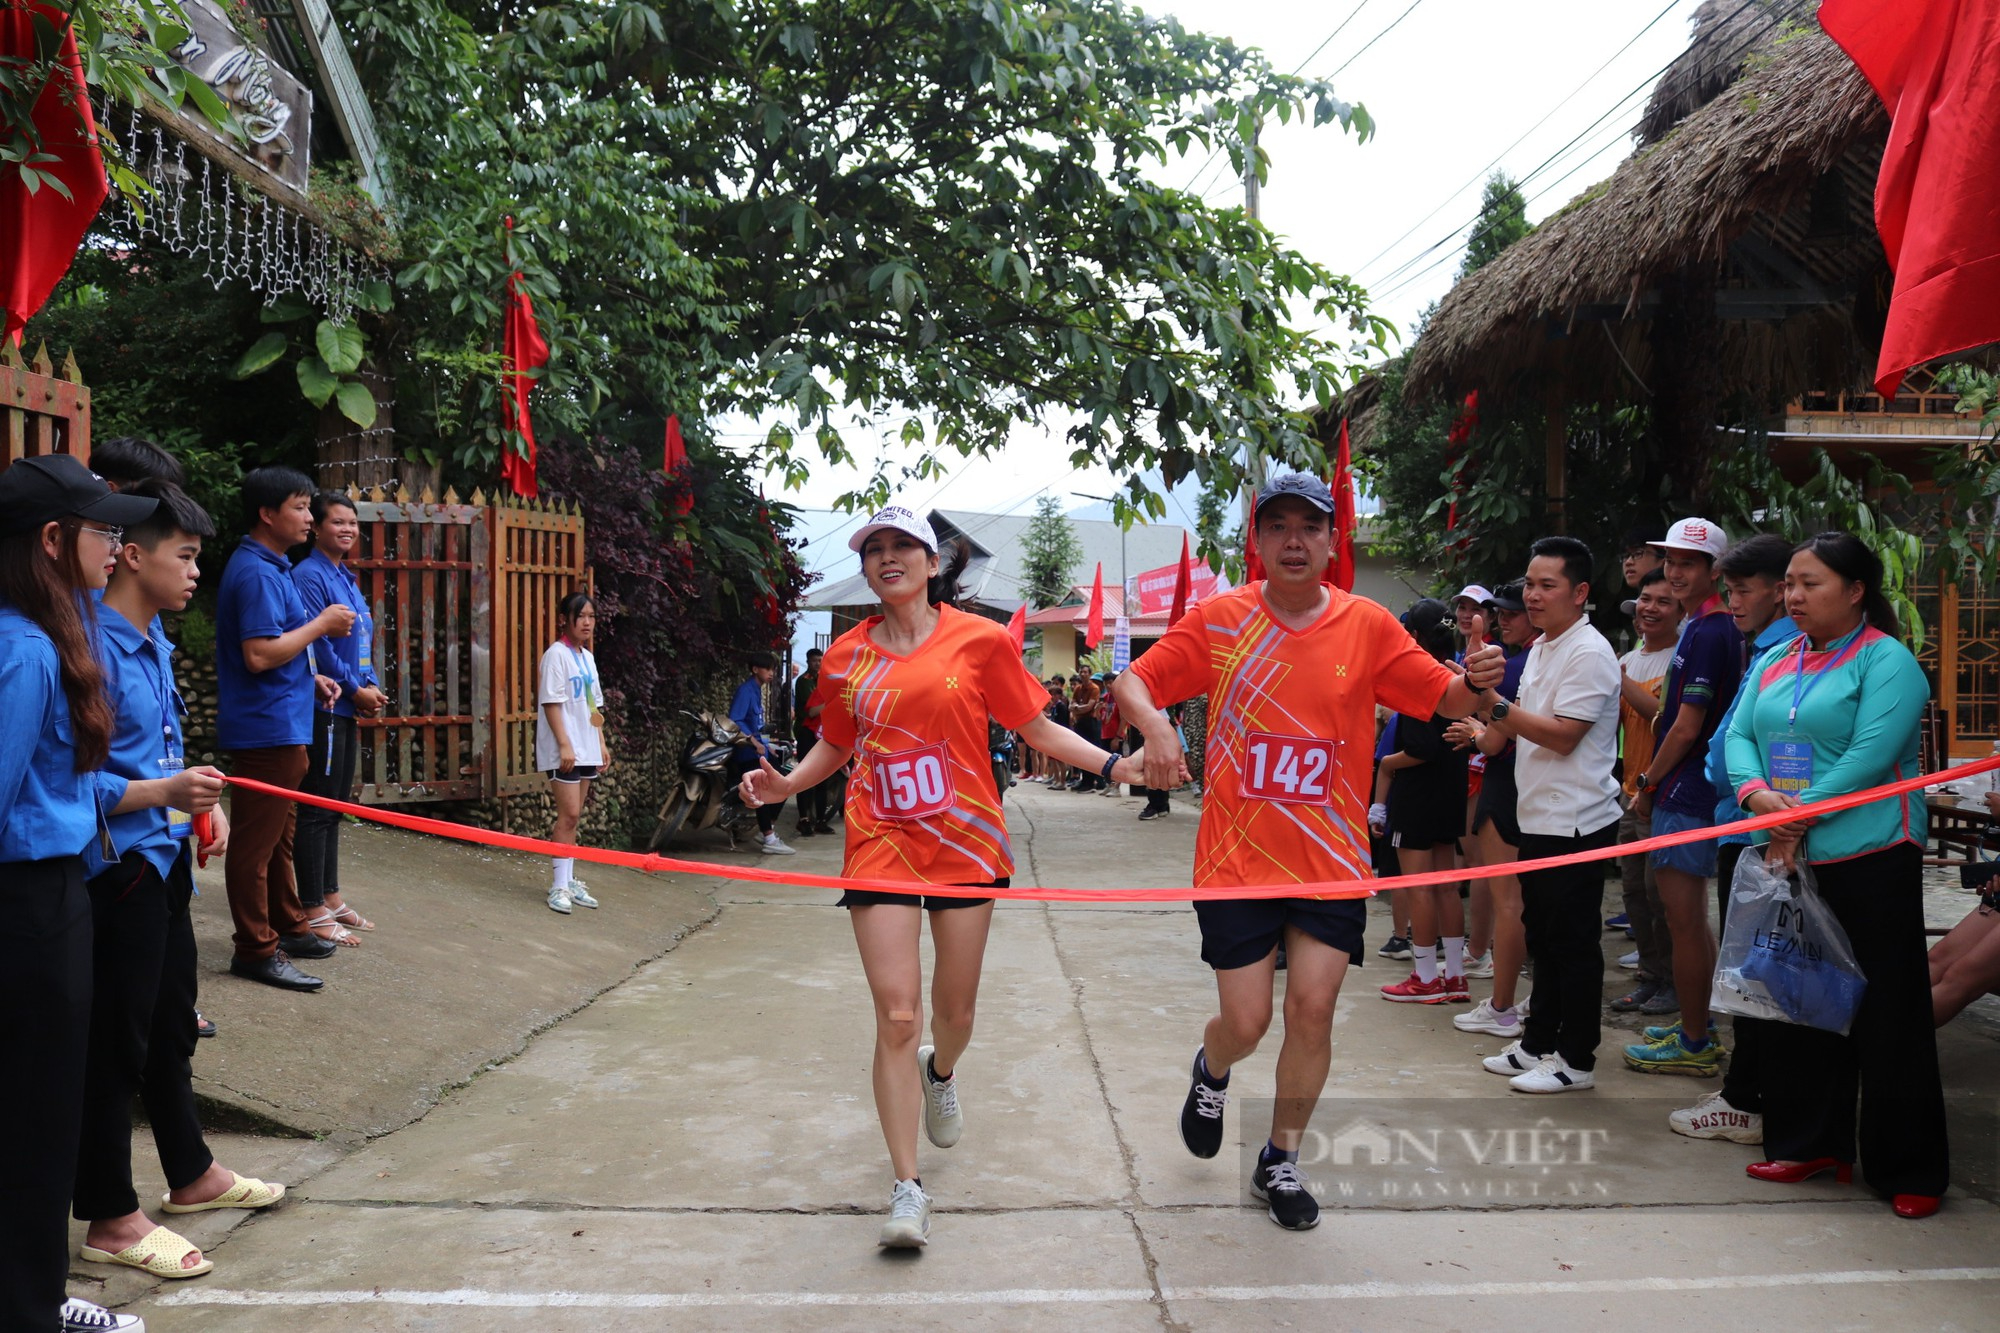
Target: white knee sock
[
  {"x": 1454, "y": 955},
  {"x": 1426, "y": 961},
  {"x": 563, "y": 865}
]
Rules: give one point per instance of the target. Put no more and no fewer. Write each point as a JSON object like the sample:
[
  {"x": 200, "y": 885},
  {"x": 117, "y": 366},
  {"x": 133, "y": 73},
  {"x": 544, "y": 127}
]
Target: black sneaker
[
  {"x": 1396, "y": 946},
  {"x": 1282, "y": 1187},
  {"x": 1201, "y": 1114}
]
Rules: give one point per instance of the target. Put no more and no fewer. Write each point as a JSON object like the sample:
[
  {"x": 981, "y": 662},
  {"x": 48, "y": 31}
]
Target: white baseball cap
[
  {"x": 902, "y": 520},
  {"x": 1477, "y": 594},
  {"x": 1694, "y": 534}
]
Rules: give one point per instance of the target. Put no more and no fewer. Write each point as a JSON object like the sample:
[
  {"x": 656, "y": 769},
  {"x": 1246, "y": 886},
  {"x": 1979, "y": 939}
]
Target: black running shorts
[
  {"x": 930, "y": 902},
  {"x": 1239, "y": 932}
]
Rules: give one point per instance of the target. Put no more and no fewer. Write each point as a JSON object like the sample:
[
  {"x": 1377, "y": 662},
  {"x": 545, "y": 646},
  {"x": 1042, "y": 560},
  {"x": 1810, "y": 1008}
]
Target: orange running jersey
[
  {"x": 921, "y": 804},
  {"x": 1291, "y": 729}
]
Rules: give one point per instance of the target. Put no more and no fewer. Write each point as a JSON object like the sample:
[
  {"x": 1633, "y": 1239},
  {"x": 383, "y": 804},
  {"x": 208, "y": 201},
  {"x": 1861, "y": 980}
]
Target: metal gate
[
  {"x": 42, "y": 412},
  {"x": 464, "y": 598}
]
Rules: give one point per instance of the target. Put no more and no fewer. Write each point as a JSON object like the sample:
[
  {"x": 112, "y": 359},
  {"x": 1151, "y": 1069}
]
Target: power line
[
  {"x": 1376, "y": 38},
  {"x": 1480, "y": 175},
  {"x": 1776, "y": 18}
]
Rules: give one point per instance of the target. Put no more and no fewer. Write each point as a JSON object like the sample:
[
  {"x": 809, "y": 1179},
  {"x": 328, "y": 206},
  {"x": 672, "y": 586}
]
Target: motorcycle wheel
[
  {"x": 673, "y": 814},
  {"x": 1001, "y": 776}
]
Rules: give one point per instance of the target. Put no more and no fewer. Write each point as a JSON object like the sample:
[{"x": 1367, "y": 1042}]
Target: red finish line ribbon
[{"x": 1340, "y": 888}]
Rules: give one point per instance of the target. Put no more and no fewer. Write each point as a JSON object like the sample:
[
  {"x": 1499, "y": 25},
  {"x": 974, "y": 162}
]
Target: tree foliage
[
  {"x": 1050, "y": 552},
  {"x": 1503, "y": 220},
  {"x": 934, "y": 215}
]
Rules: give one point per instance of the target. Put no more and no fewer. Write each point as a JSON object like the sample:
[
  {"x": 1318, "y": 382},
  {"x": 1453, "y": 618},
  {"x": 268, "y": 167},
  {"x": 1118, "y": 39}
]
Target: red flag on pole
[
  {"x": 1093, "y": 631},
  {"x": 1253, "y": 564},
  {"x": 40, "y": 230},
  {"x": 523, "y": 351},
  {"x": 1937, "y": 200},
  {"x": 674, "y": 460},
  {"x": 1183, "y": 581},
  {"x": 1343, "y": 514},
  {"x": 1017, "y": 627}
]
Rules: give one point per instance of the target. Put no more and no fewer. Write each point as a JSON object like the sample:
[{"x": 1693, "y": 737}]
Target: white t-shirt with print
[
  {"x": 568, "y": 677},
  {"x": 1573, "y": 676}
]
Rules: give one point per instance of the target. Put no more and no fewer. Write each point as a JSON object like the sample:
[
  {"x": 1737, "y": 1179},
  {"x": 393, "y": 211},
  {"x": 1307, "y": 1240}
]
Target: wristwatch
[
  {"x": 1646, "y": 783},
  {"x": 1500, "y": 709}
]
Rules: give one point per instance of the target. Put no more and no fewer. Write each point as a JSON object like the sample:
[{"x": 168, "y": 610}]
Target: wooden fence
[
  {"x": 463, "y": 596},
  {"x": 42, "y": 411}
]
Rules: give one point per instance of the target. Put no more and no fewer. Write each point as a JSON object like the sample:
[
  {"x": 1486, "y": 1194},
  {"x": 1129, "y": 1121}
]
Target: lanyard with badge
[
  {"x": 1788, "y": 755},
  {"x": 587, "y": 679}
]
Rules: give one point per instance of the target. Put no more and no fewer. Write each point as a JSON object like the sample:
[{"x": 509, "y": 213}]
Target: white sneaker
[
  {"x": 1714, "y": 1118},
  {"x": 1553, "y": 1074},
  {"x": 942, "y": 1119},
  {"x": 1485, "y": 1018},
  {"x": 559, "y": 901},
  {"x": 1480, "y": 968},
  {"x": 579, "y": 893},
  {"x": 83, "y": 1317},
  {"x": 1521, "y": 1007},
  {"x": 1629, "y": 961},
  {"x": 770, "y": 846},
  {"x": 1511, "y": 1061},
  {"x": 909, "y": 1224}
]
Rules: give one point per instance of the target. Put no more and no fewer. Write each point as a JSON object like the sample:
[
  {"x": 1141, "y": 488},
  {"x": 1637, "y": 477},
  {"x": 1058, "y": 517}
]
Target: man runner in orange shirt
[{"x": 1293, "y": 670}]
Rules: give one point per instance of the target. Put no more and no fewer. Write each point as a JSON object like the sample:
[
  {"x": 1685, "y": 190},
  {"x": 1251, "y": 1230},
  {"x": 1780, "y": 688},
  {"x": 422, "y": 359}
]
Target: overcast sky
[{"x": 1455, "y": 87}]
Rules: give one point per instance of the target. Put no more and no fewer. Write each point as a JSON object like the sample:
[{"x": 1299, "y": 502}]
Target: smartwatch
[{"x": 1500, "y": 709}]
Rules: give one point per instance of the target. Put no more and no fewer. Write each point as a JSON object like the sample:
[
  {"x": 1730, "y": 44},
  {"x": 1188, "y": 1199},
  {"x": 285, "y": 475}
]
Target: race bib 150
[
  {"x": 912, "y": 784},
  {"x": 1294, "y": 770}
]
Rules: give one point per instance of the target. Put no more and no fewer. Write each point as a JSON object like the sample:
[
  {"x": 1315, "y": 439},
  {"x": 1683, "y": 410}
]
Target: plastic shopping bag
[{"x": 1784, "y": 955}]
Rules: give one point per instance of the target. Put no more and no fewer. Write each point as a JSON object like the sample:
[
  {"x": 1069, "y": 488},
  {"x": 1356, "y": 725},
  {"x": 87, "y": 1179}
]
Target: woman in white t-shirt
[{"x": 569, "y": 735}]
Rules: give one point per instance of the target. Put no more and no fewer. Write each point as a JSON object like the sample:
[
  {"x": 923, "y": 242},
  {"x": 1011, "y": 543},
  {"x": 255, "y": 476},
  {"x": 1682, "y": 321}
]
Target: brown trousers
[{"x": 263, "y": 894}]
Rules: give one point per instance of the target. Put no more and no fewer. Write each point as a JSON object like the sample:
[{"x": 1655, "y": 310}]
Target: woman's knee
[
  {"x": 1247, "y": 1027},
  {"x": 898, "y": 1022}
]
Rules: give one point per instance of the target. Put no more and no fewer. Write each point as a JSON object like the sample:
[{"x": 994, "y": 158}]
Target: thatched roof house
[{"x": 1744, "y": 218}]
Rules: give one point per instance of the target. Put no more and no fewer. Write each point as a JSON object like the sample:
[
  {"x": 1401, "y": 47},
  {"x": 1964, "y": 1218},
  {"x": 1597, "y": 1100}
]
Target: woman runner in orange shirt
[{"x": 908, "y": 694}]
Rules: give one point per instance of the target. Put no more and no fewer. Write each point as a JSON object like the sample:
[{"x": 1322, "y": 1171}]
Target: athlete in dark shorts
[{"x": 1293, "y": 670}]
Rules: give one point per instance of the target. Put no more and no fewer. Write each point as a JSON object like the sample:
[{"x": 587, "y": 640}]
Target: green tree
[
  {"x": 1050, "y": 553},
  {"x": 1218, "y": 524},
  {"x": 1503, "y": 220},
  {"x": 938, "y": 216}
]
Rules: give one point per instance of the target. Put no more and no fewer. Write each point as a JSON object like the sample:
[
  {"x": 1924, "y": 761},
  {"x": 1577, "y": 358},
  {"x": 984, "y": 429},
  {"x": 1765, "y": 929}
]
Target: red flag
[
  {"x": 1183, "y": 579},
  {"x": 523, "y": 351},
  {"x": 1460, "y": 436},
  {"x": 1937, "y": 201},
  {"x": 1017, "y": 627},
  {"x": 40, "y": 232},
  {"x": 1342, "y": 570},
  {"x": 1253, "y": 564},
  {"x": 1093, "y": 631},
  {"x": 674, "y": 460}
]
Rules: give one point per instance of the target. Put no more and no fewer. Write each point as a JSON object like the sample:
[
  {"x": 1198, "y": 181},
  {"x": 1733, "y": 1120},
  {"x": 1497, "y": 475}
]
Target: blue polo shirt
[
  {"x": 321, "y": 582},
  {"x": 46, "y": 808},
  {"x": 1781, "y": 630},
  {"x": 139, "y": 677},
  {"x": 746, "y": 710},
  {"x": 257, "y": 600}
]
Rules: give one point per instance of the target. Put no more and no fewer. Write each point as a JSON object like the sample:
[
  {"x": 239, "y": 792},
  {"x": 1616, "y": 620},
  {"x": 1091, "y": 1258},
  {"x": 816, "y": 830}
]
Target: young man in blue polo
[
  {"x": 142, "y": 1022},
  {"x": 266, "y": 688}
]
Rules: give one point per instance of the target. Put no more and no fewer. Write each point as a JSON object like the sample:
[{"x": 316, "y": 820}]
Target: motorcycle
[
  {"x": 704, "y": 793},
  {"x": 1000, "y": 744}
]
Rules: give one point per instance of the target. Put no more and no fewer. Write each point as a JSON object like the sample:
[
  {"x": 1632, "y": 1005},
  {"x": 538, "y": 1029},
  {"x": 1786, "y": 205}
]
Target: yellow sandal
[
  {"x": 245, "y": 1193},
  {"x": 160, "y": 1254}
]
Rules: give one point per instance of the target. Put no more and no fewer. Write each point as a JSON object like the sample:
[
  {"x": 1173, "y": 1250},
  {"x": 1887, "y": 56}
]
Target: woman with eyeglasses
[{"x": 61, "y": 528}]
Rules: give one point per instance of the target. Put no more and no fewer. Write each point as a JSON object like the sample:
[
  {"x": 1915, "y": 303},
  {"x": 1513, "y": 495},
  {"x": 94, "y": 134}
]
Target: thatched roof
[
  {"x": 1728, "y": 36},
  {"x": 1760, "y": 168}
]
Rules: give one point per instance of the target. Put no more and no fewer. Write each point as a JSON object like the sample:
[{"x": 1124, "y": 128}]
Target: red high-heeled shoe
[
  {"x": 1915, "y": 1206},
  {"x": 1791, "y": 1173}
]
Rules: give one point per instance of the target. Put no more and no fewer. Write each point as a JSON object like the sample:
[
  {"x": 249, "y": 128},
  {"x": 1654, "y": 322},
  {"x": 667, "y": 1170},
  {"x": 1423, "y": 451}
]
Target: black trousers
[
  {"x": 1889, "y": 1060},
  {"x": 141, "y": 1035},
  {"x": 330, "y": 758},
  {"x": 1091, "y": 730},
  {"x": 1562, "y": 910},
  {"x": 813, "y": 800},
  {"x": 45, "y": 974},
  {"x": 1743, "y": 1079}
]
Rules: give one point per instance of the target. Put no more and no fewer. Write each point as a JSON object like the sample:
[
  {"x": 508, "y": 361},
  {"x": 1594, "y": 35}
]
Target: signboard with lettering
[
  {"x": 274, "y": 108},
  {"x": 1156, "y": 586},
  {"x": 1121, "y": 644}
]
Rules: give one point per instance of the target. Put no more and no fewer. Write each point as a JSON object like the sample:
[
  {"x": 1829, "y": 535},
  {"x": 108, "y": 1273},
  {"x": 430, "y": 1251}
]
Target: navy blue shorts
[
  {"x": 930, "y": 902},
  {"x": 1239, "y": 932}
]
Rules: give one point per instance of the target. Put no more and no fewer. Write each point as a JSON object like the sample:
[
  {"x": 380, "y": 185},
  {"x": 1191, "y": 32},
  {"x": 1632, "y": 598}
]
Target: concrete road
[{"x": 697, "y": 1149}]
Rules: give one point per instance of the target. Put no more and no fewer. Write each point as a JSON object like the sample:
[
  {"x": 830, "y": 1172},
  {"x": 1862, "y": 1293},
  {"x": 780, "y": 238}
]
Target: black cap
[
  {"x": 1507, "y": 597},
  {"x": 1425, "y": 615},
  {"x": 1298, "y": 486},
  {"x": 1649, "y": 533},
  {"x": 45, "y": 488}
]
